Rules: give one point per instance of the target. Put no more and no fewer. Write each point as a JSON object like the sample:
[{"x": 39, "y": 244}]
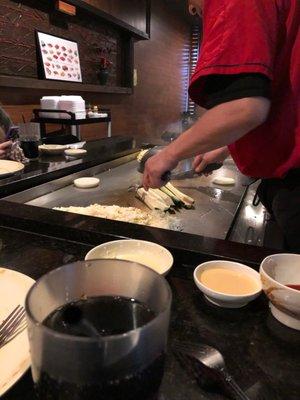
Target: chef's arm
[{"x": 220, "y": 126}]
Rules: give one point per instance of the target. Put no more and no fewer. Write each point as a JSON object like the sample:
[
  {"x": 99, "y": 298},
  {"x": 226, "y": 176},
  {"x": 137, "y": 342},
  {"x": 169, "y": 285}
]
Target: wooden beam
[
  {"x": 66, "y": 8},
  {"x": 59, "y": 86},
  {"x": 97, "y": 12}
]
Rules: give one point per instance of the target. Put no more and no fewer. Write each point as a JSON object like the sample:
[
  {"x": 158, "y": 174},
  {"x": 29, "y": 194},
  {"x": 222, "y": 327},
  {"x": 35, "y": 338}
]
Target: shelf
[
  {"x": 136, "y": 33},
  {"x": 40, "y": 84},
  {"x": 72, "y": 122}
]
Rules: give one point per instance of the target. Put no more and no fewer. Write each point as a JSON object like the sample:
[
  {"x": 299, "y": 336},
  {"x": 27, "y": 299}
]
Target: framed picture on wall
[{"x": 58, "y": 58}]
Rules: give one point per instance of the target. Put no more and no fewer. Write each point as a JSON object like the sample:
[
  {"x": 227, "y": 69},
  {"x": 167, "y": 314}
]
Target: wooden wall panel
[
  {"x": 157, "y": 101},
  {"x": 133, "y": 12},
  {"x": 18, "y": 22}
]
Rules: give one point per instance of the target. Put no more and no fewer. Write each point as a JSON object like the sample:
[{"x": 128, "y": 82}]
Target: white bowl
[
  {"x": 150, "y": 254},
  {"x": 75, "y": 152},
  {"x": 223, "y": 299},
  {"x": 276, "y": 272}
]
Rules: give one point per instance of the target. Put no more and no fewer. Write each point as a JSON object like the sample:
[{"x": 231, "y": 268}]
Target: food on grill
[
  {"x": 86, "y": 183},
  {"x": 141, "y": 154},
  {"x": 133, "y": 215},
  {"x": 153, "y": 201},
  {"x": 175, "y": 199},
  {"x": 162, "y": 196},
  {"x": 178, "y": 198},
  {"x": 185, "y": 199},
  {"x": 224, "y": 181}
]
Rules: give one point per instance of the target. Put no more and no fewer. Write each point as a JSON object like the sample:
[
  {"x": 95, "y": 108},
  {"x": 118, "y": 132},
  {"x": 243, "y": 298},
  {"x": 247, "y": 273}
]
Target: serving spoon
[{"x": 207, "y": 362}]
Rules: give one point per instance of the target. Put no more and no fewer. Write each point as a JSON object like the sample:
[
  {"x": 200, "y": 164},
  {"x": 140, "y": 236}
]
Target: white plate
[
  {"x": 75, "y": 152},
  {"x": 8, "y": 167},
  {"x": 14, "y": 356},
  {"x": 52, "y": 148}
]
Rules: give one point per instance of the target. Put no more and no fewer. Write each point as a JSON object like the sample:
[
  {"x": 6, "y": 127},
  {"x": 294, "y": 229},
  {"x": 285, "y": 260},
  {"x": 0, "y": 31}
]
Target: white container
[
  {"x": 150, "y": 254},
  {"x": 74, "y": 104},
  {"x": 276, "y": 272},
  {"x": 223, "y": 299},
  {"x": 49, "y": 103}
]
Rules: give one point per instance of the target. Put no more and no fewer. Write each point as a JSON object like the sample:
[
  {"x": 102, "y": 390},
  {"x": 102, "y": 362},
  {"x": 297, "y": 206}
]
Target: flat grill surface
[{"x": 215, "y": 206}]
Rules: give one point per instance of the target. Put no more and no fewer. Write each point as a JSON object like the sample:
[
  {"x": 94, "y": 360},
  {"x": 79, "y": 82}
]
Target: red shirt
[{"x": 257, "y": 36}]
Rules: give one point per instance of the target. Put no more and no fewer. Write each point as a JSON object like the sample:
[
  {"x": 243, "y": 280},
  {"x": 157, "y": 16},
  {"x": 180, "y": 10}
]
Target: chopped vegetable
[
  {"x": 162, "y": 196},
  {"x": 187, "y": 200},
  {"x": 141, "y": 154},
  {"x": 151, "y": 200},
  {"x": 176, "y": 201}
]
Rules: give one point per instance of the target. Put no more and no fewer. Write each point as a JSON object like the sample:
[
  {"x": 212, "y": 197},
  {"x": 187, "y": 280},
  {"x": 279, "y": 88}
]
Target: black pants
[{"x": 281, "y": 198}]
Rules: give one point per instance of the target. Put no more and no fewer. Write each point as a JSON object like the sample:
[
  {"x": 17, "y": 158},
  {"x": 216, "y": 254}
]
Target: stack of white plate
[
  {"x": 50, "y": 103},
  {"x": 74, "y": 104}
]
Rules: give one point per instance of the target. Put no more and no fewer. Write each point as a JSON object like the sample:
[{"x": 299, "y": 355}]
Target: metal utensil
[
  {"x": 207, "y": 362},
  {"x": 12, "y": 325},
  {"x": 184, "y": 170}
]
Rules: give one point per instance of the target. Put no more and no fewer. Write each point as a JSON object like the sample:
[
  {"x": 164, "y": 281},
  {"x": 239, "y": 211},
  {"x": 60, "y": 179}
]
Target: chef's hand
[
  {"x": 5, "y": 148},
  {"x": 155, "y": 168},
  {"x": 215, "y": 156}
]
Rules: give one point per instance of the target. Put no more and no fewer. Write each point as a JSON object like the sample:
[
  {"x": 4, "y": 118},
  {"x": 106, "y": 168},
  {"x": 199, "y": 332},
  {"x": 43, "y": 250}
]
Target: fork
[
  {"x": 12, "y": 325},
  {"x": 204, "y": 361}
]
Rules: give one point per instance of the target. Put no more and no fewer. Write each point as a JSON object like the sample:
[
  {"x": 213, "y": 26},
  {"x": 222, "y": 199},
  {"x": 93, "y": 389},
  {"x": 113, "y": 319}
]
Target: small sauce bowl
[{"x": 226, "y": 300}]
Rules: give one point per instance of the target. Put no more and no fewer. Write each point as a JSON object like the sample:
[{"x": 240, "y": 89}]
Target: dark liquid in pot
[{"x": 110, "y": 316}]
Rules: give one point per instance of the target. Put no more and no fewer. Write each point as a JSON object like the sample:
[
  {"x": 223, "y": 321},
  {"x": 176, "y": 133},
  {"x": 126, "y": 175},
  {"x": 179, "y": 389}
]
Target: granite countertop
[
  {"x": 263, "y": 355},
  {"x": 52, "y": 167}
]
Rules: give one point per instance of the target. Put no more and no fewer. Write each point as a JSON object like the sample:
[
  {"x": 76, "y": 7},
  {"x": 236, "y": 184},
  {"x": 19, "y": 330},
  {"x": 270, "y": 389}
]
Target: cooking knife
[
  {"x": 188, "y": 174},
  {"x": 184, "y": 169}
]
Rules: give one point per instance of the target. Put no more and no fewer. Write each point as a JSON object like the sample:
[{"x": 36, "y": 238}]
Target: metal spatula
[{"x": 184, "y": 170}]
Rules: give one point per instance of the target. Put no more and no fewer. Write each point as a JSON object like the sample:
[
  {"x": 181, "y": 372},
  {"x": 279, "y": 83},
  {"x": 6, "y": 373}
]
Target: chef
[{"x": 248, "y": 78}]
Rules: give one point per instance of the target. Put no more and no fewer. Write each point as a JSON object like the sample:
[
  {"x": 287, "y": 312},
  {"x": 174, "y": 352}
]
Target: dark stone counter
[
  {"x": 47, "y": 168},
  {"x": 263, "y": 355}
]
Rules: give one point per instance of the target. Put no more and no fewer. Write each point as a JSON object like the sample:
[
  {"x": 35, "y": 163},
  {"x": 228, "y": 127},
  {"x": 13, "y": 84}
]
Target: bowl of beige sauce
[
  {"x": 150, "y": 254},
  {"x": 228, "y": 284}
]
